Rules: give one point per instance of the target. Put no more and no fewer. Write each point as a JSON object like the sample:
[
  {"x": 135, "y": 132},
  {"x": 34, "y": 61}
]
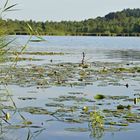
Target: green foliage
[
  {"x": 117, "y": 23},
  {"x": 99, "y": 97},
  {"x": 4, "y": 42},
  {"x": 96, "y": 124},
  {"x": 96, "y": 119}
]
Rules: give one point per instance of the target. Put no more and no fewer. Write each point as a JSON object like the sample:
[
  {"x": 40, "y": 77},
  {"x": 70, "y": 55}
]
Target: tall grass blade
[
  {"x": 8, "y": 8},
  {"x": 11, "y": 10},
  {"x": 6, "y": 3},
  {"x": 13, "y": 103},
  {"x": 5, "y": 45},
  {"x": 23, "y": 118},
  {"x": 30, "y": 28},
  {"x": 29, "y": 135}
]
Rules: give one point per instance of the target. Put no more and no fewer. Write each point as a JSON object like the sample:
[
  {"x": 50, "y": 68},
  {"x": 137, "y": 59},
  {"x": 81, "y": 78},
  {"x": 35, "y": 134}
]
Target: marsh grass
[
  {"x": 5, "y": 49},
  {"x": 4, "y": 41},
  {"x": 7, "y": 8}
]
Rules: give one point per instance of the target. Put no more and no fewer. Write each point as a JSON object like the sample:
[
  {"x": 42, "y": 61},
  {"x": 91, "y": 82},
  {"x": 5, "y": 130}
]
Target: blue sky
[{"x": 57, "y": 10}]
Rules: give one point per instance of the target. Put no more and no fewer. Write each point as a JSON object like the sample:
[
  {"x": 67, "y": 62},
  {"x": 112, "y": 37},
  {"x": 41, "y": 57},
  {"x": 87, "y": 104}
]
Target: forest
[{"x": 123, "y": 23}]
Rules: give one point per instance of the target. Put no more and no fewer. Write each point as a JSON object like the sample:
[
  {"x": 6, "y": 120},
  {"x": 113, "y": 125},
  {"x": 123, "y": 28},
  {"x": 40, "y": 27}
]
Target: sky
[{"x": 58, "y": 10}]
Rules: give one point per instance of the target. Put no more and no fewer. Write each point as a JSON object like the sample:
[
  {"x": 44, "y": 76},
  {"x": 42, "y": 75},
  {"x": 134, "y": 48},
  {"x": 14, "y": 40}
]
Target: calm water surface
[{"x": 97, "y": 49}]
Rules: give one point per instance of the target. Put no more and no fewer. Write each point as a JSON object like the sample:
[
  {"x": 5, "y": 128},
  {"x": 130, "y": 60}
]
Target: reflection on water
[
  {"x": 95, "y": 48},
  {"x": 97, "y": 133},
  {"x": 126, "y": 55}
]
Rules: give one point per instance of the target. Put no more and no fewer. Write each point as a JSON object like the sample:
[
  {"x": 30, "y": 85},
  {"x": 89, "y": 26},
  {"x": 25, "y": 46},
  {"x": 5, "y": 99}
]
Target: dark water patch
[
  {"x": 129, "y": 55},
  {"x": 27, "y": 98}
]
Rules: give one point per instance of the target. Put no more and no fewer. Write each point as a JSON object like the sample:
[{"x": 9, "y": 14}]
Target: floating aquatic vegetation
[
  {"x": 71, "y": 98},
  {"x": 64, "y": 74},
  {"x": 121, "y": 107},
  {"x": 70, "y": 120},
  {"x": 117, "y": 97},
  {"x": 27, "y": 123},
  {"x": 77, "y": 129},
  {"x": 54, "y": 105},
  {"x": 36, "y": 40},
  {"x": 85, "y": 109},
  {"x": 117, "y": 123},
  {"x": 76, "y": 107},
  {"x": 38, "y": 53},
  {"x": 22, "y": 126},
  {"x": 27, "y": 98},
  {"x": 96, "y": 120},
  {"x": 76, "y": 93},
  {"x": 35, "y": 110},
  {"x": 6, "y": 107},
  {"x": 132, "y": 117},
  {"x": 99, "y": 97}
]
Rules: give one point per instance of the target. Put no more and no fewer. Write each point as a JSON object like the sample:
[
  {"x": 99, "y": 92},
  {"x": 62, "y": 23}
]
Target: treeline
[{"x": 126, "y": 22}]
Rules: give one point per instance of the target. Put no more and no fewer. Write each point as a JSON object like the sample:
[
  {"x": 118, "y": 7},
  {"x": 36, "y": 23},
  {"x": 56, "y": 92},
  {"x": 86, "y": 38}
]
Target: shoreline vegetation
[
  {"x": 82, "y": 34},
  {"x": 123, "y": 23}
]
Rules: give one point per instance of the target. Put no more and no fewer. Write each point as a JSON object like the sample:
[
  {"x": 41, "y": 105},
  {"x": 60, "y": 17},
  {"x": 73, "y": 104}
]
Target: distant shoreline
[
  {"x": 124, "y": 23},
  {"x": 87, "y": 34}
]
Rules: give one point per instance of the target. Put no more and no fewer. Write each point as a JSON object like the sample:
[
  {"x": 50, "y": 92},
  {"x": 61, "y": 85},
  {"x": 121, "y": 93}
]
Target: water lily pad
[
  {"x": 35, "y": 110},
  {"x": 77, "y": 129}
]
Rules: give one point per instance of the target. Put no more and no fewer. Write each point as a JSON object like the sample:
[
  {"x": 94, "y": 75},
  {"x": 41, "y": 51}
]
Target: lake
[
  {"x": 54, "y": 96},
  {"x": 98, "y": 48}
]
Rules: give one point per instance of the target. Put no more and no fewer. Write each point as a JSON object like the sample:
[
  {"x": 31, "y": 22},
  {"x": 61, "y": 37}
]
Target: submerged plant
[
  {"x": 96, "y": 119},
  {"x": 96, "y": 124}
]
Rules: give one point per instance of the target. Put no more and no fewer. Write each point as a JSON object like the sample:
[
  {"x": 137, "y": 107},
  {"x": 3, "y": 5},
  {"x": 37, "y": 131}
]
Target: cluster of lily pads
[
  {"x": 99, "y": 112},
  {"x": 71, "y": 109},
  {"x": 70, "y": 74}
]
